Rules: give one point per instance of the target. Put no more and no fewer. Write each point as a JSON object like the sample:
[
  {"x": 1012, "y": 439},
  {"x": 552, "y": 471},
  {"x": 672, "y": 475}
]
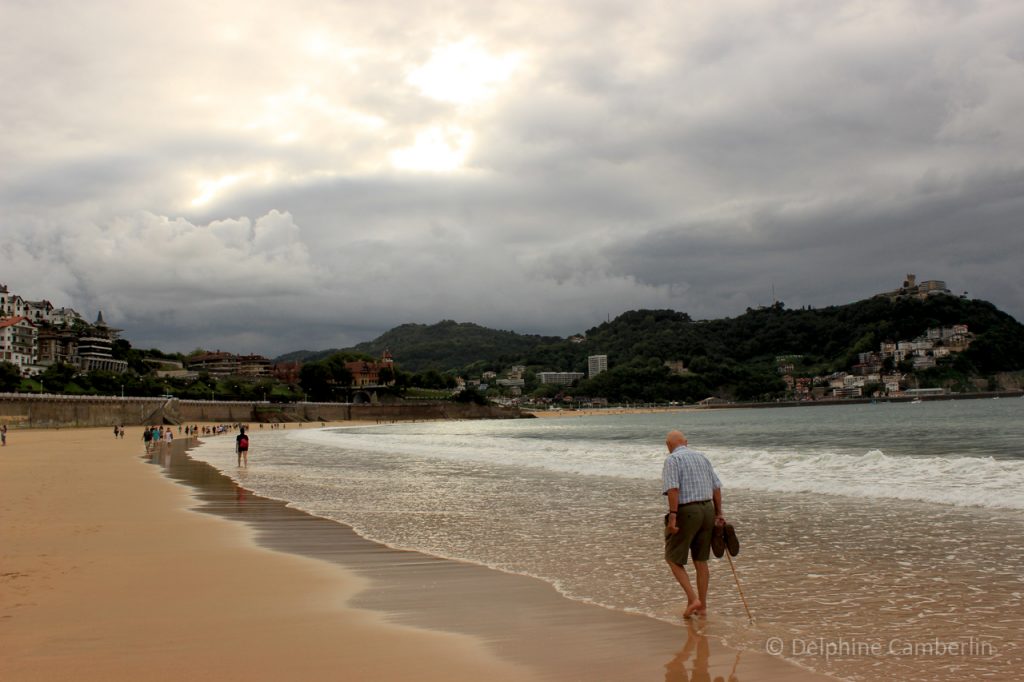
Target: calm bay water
[{"x": 886, "y": 534}]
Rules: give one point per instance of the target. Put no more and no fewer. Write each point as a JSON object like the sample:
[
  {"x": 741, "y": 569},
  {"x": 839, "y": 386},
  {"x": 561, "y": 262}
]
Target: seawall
[{"x": 49, "y": 411}]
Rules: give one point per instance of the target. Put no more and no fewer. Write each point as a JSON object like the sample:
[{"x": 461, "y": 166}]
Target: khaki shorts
[{"x": 695, "y": 523}]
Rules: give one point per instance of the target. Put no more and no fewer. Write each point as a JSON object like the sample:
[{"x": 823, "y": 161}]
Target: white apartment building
[
  {"x": 596, "y": 364},
  {"x": 18, "y": 342},
  {"x": 559, "y": 378}
]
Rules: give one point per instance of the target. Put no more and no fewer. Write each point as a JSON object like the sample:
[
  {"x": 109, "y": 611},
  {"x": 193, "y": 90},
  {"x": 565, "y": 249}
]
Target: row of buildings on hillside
[
  {"x": 35, "y": 335},
  {"x": 879, "y": 368},
  {"x": 219, "y": 364},
  {"x": 514, "y": 380}
]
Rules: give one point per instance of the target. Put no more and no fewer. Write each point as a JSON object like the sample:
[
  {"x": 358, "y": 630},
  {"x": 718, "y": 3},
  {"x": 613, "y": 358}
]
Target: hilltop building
[{"x": 913, "y": 289}]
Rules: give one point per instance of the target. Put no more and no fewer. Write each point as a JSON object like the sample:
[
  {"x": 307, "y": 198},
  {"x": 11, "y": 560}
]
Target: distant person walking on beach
[
  {"x": 242, "y": 446},
  {"x": 3, "y": 434},
  {"x": 694, "y": 508}
]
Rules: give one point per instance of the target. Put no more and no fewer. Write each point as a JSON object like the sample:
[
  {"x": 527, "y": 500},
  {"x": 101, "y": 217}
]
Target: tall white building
[{"x": 596, "y": 364}]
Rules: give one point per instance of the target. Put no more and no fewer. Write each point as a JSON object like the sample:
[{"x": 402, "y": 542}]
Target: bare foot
[{"x": 692, "y": 608}]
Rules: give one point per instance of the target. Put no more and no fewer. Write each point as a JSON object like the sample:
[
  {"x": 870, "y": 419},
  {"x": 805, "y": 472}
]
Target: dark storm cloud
[{"x": 842, "y": 252}]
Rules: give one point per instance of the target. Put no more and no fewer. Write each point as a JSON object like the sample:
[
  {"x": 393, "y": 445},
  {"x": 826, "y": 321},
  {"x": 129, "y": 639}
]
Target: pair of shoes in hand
[{"x": 723, "y": 537}]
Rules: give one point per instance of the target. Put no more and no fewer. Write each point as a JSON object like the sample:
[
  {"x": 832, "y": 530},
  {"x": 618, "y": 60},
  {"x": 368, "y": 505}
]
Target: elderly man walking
[{"x": 694, "y": 508}]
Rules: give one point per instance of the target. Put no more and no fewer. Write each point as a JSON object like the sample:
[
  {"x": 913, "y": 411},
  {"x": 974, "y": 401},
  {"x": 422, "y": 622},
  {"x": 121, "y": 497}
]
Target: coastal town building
[
  {"x": 18, "y": 342},
  {"x": 223, "y": 364},
  {"x": 38, "y": 312},
  {"x": 59, "y": 335},
  {"x": 596, "y": 364},
  {"x": 96, "y": 348},
  {"x": 253, "y": 365},
  {"x": 57, "y": 346},
  {"x": 216, "y": 364},
  {"x": 559, "y": 378},
  {"x": 368, "y": 372},
  {"x": 286, "y": 372},
  {"x": 65, "y": 317}
]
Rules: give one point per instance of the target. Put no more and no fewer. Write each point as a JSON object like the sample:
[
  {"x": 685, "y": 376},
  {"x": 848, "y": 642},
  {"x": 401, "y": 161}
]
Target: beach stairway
[{"x": 168, "y": 413}]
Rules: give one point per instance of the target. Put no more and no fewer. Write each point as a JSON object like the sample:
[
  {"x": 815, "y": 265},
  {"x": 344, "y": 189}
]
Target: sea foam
[{"x": 975, "y": 481}]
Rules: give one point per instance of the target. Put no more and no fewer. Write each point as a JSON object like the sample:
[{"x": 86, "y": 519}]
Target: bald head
[{"x": 674, "y": 439}]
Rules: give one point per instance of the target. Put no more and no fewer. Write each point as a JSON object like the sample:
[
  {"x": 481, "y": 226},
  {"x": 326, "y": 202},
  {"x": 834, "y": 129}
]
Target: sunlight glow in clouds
[
  {"x": 211, "y": 188},
  {"x": 462, "y": 73},
  {"x": 436, "y": 150}
]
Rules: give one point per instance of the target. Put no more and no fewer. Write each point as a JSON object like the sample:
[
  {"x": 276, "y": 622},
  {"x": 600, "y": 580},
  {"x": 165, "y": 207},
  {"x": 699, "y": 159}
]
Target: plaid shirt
[{"x": 690, "y": 472}]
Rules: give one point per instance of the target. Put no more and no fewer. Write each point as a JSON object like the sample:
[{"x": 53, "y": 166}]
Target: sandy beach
[
  {"x": 111, "y": 570},
  {"x": 106, "y": 575}
]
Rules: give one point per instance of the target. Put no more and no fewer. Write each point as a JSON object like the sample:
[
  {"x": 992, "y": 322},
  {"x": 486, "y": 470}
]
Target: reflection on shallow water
[{"x": 693, "y": 662}]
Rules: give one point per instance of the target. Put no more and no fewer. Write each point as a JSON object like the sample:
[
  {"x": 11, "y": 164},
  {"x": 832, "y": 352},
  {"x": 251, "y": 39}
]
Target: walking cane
[{"x": 740, "y": 589}]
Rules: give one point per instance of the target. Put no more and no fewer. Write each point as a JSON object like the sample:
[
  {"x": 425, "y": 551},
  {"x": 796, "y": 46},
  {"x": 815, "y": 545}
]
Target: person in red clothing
[{"x": 242, "y": 446}]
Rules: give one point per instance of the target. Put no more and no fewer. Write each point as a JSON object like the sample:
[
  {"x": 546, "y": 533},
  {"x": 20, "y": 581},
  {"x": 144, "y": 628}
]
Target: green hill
[
  {"x": 733, "y": 357},
  {"x": 446, "y": 346},
  {"x": 736, "y": 356}
]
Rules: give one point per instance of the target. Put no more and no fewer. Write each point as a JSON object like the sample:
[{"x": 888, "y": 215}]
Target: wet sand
[{"x": 108, "y": 575}]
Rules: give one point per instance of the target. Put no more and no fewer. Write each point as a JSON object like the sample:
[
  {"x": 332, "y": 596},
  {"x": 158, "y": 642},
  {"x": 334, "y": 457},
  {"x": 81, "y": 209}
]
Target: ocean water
[{"x": 878, "y": 541}]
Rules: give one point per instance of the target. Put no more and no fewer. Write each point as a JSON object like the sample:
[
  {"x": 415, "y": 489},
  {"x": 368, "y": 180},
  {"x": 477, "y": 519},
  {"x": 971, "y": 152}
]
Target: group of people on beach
[{"x": 220, "y": 429}]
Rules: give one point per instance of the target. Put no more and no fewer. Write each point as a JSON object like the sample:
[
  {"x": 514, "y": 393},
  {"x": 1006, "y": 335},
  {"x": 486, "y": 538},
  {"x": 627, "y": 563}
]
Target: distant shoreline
[{"x": 589, "y": 411}]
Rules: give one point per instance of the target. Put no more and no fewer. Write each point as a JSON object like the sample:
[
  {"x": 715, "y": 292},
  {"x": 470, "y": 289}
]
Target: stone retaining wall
[{"x": 47, "y": 411}]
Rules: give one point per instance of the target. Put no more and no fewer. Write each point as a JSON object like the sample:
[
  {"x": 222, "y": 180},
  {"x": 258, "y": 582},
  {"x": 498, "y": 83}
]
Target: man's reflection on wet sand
[{"x": 699, "y": 649}]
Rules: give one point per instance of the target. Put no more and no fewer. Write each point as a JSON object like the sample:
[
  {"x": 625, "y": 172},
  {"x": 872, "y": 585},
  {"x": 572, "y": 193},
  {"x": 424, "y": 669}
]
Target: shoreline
[
  {"x": 139, "y": 574},
  {"x": 826, "y": 402},
  {"x": 525, "y": 619}
]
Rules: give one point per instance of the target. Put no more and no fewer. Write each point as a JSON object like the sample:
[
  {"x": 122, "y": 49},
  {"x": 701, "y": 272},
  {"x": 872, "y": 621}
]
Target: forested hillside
[
  {"x": 449, "y": 346},
  {"x": 733, "y": 357}
]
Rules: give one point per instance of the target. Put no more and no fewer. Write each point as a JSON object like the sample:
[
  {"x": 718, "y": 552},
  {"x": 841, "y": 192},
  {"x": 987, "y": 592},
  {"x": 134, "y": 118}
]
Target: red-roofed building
[
  {"x": 367, "y": 372},
  {"x": 19, "y": 342}
]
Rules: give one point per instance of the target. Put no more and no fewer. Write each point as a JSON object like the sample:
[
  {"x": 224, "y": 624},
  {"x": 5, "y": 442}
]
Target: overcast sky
[{"x": 267, "y": 176}]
